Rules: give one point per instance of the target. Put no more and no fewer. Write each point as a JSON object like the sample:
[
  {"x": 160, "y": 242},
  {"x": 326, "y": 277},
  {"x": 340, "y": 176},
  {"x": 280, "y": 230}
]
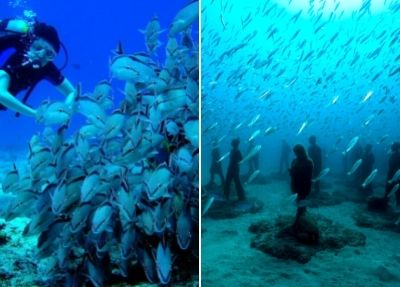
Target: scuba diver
[
  {"x": 216, "y": 166},
  {"x": 394, "y": 166},
  {"x": 368, "y": 160},
  {"x": 34, "y": 46},
  {"x": 314, "y": 152},
  {"x": 301, "y": 173},
  {"x": 234, "y": 171}
]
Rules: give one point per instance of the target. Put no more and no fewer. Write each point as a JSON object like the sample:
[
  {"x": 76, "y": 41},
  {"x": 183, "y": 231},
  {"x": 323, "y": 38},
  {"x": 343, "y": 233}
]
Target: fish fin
[{"x": 119, "y": 50}]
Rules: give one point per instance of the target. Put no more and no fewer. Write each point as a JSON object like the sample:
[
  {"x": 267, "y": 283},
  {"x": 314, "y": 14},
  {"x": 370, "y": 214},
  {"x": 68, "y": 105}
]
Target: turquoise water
[
  {"x": 295, "y": 64},
  {"x": 274, "y": 70}
]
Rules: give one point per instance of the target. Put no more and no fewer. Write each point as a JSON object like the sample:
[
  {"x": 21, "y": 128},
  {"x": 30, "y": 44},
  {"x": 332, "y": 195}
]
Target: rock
[
  {"x": 4, "y": 239},
  {"x": 231, "y": 209},
  {"x": 5, "y": 275},
  {"x": 377, "y": 220},
  {"x": 312, "y": 235},
  {"x": 378, "y": 203},
  {"x": 260, "y": 227}
]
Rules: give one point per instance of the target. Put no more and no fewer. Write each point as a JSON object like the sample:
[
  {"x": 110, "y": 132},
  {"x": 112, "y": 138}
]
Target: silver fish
[
  {"x": 254, "y": 135},
  {"x": 224, "y": 156},
  {"x": 184, "y": 18},
  {"x": 303, "y": 125},
  {"x": 251, "y": 153},
  {"x": 351, "y": 144},
  {"x": 209, "y": 203},
  {"x": 322, "y": 174},
  {"x": 253, "y": 176},
  {"x": 394, "y": 189},
  {"x": 355, "y": 167},
  {"x": 395, "y": 177},
  {"x": 370, "y": 178}
]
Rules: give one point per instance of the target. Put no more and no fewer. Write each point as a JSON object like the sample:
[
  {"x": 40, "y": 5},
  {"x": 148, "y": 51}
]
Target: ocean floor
[{"x": 229, "y": 260}]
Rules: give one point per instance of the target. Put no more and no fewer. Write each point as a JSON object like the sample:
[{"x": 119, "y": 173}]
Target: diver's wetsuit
[
  {"x": 301, "y": 172},
  {"x": 216, "y": 167},
  {"x": 314, "y": 152},
  {"x": 394, "y": 165},
  {"x": 233, "y": 174},
  {"x": 22, "y": 74}
]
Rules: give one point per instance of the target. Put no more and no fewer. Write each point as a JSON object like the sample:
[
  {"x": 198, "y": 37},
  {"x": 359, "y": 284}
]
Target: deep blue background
[{"x": 90, "y": 30}]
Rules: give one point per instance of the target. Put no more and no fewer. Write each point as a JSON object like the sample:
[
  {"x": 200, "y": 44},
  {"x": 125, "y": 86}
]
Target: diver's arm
[
  {"x": 15, "y": 25},
  {"x": 67, "y": 90},
  {"x": 9, "y": 100}
]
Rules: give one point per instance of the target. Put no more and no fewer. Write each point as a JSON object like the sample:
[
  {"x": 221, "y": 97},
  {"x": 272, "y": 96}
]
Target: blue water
[
  {"x": 90, "y": 30},
  {"x": 298, "y": 58}
]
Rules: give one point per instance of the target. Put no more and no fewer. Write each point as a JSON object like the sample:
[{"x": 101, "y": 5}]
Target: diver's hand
[{"x": 38, "y": 114}]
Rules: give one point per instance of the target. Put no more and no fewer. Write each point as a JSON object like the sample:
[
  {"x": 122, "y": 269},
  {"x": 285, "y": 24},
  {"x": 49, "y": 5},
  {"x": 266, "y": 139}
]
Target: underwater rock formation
[
  {"x": 384, "y": 220},
  {"x": 222, "y": 209},
  {"x": 314, "y": 234}
]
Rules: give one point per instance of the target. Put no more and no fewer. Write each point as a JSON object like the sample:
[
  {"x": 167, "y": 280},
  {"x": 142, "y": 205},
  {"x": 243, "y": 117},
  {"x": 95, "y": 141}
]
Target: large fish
[
  {"x": 101, "y": 218},
  {"x": 57, "y": 113},
  {"x": 184, "y": 18},
  {"x": 184, "y": 229},
  {"x": 130, "y": 68},
  {"x": 163, "y": 263},
  {"x": 151, "y": 33}
]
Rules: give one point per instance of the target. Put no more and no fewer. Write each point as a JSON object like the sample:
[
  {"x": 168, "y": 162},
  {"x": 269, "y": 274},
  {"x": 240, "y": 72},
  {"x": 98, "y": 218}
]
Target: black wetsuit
[
  {"x": 216, "y": 167},
  {"x": 22, "y": 73},
  {"x": 233, "y": 174},
  {"x": 314, "y": 152},
  {"x": 394, "y": 165},
  {"x": 366, "y": 167}
]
